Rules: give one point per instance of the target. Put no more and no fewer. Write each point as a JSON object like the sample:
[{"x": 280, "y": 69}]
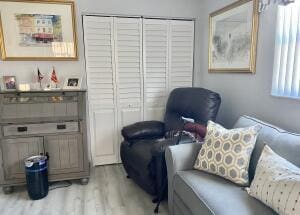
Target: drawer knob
[
  {"x": 61, "y": 127},
  {"x": 22, "y": 129}
]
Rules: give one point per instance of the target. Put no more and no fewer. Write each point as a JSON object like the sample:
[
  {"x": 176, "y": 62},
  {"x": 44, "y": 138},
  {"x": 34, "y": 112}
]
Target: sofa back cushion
[{"x": 284, "y": 143}]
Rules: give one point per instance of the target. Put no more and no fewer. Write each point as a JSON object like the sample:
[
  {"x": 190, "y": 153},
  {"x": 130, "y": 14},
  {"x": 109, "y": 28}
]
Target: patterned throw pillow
[
  {"x": 277, "y": 183},
  {"x": 227, "y": 152}
]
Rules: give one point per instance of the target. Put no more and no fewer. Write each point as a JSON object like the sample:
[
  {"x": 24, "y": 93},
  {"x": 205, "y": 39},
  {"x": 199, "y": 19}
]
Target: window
[{"x": 286, "y": 70}]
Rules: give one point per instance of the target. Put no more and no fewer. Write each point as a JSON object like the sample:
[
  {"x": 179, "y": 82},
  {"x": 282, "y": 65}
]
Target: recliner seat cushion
[
  {"x": 204, "y": 193},
  {"x": 144, "y": 130}
]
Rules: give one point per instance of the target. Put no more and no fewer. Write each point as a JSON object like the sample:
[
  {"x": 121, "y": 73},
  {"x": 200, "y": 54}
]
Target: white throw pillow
[
  {"x": 227, "y": 152},
  {"x": 277, "y": 183}
]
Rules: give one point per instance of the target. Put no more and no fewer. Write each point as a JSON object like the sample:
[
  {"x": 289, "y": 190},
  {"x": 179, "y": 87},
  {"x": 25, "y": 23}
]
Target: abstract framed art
[
  {"x": 38, "y": 30},
  {"x": 233, "y": 37}
]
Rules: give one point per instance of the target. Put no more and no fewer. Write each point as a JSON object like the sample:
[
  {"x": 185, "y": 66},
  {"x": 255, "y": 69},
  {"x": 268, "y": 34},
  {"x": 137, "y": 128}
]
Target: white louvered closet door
[
  {"x": 155, "y": 50},
  {"x": 181, "y": 54},
  {"x": 99, "y": 52},
  {"x": 129, "y": 70}
]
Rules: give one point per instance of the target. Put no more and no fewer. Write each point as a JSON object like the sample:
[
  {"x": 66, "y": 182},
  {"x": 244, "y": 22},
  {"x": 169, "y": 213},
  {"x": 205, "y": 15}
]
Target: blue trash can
[{"x": 37, "y": 176}]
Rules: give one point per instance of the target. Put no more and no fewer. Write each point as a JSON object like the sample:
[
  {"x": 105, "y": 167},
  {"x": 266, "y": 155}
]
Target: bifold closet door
[
  {"x": 181, "y": 54},
  {"x": 129, "y": 70},
  {"x": 113, "y": 49},
  {"x": 155, "y": 49},
  {"x": 101, "y": 82},
  {"x": 168, "y": 62},
  {"x": 132, "y": 65}
]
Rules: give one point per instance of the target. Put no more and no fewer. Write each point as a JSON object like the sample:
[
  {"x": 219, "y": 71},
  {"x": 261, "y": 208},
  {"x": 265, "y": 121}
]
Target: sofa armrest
[
  {"x": 179, "y": 158},
  {"x": 144, "y": 130}
]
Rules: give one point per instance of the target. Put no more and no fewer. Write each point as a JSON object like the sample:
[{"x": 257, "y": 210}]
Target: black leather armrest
[{"x": 144, "y": 130}]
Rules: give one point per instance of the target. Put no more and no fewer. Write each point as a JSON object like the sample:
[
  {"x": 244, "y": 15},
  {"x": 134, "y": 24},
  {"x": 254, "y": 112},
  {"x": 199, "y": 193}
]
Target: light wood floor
[{"x": 109, "y": 192}]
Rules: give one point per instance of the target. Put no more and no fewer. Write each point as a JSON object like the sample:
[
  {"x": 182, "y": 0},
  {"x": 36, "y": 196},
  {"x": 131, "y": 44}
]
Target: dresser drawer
[{"x": 44, "y": 128}]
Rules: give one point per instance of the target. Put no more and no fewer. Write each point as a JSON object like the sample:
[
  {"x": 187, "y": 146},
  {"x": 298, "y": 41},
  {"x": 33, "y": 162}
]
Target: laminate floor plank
[{"x": 108, "y": 192}]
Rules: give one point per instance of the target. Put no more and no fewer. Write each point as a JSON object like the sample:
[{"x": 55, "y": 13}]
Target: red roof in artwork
[{"x": 43, "y": 36}]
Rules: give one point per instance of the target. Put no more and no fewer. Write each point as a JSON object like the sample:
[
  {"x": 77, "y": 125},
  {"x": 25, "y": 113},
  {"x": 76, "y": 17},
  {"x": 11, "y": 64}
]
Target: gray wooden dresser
[{"x": 43, "y": 122}]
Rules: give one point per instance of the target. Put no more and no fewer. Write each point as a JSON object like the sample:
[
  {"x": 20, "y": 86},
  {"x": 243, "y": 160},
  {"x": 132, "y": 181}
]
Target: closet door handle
[
  {"x": 61, "y": 127},
  {"x": 22, "y": 129}
]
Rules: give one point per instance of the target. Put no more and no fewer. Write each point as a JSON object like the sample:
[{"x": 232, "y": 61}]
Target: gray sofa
[{"x": 193, "y": 192}]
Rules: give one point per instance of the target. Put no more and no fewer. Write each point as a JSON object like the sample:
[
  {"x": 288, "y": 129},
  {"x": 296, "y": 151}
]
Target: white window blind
[{"x": 286, "y": 70}]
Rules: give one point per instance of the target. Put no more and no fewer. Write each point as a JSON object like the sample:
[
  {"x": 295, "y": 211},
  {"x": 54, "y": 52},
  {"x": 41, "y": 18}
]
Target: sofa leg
[{"x": 156, "y": 209}]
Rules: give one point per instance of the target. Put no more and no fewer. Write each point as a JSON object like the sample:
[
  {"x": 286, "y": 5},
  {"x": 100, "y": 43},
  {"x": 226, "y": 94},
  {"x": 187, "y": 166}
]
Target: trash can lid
[{"x": 34, "y": 159}]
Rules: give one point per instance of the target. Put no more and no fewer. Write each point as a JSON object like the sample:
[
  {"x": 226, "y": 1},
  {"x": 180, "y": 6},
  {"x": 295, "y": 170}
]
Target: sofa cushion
[
  {"x": 285, "y": 144},
  {"x": 204, "y": 193}
]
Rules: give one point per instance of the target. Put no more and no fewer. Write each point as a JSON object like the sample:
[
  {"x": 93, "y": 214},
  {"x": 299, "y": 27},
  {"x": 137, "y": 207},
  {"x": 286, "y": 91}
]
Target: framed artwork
[
  {"x": 9, "y": 83},
  {"x": 233, "y": 37},
  {"x": 72, "y": 83},
  {"x": 38, "y": 30}
]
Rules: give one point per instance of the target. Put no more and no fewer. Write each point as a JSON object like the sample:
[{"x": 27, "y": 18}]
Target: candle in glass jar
[{"x": 24, "y": 87}]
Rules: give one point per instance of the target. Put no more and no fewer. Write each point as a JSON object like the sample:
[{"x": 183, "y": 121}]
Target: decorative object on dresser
[
  {"x": 54, "y": 79},
  {"x": 233, "y": 36},
  {"x": 9, "y": 83},
  {"x": 43, "y": 122},
  {"x": 42, "y": 30},
  {"x": 40, "y": 77},
  {"x": 73, "y": 82}
]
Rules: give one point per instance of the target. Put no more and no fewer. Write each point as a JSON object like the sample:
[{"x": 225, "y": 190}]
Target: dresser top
[{"x": 42, "y": 91}]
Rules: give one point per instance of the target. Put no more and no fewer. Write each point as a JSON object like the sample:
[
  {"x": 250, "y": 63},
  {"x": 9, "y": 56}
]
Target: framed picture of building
[
  {"x": 233, "y": 37},
  {"x": 38, "y": 30}
]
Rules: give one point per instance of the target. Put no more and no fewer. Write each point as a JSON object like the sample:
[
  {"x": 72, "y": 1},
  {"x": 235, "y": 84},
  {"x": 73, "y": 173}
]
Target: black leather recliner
[{"x": 143, "y": 140}]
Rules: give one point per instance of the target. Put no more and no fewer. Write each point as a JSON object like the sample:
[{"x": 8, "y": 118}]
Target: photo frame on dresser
[
  {"x": 73, "y": 82},
  {"x": 233, "y": 37},
  {"x": 38, "y": 30},
  {"x": 8, "y": 83}
]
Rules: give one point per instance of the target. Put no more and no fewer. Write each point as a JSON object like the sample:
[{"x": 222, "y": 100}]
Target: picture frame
[
  {"x": 73, "y": 82},
  {"x": 38, "y": 30},
  {"x": 9, "y": 83},
  {"x": 233, "y": 37}
]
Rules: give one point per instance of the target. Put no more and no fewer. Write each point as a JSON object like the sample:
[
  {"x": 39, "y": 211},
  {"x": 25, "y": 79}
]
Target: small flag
[
  {"x": 54, "y": 77},
  {"x": 40, "y": 76}
]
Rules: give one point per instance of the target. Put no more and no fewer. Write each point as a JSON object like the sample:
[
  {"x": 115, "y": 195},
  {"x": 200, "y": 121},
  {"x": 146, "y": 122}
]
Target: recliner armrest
[{"x": 144, "y": 130}]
